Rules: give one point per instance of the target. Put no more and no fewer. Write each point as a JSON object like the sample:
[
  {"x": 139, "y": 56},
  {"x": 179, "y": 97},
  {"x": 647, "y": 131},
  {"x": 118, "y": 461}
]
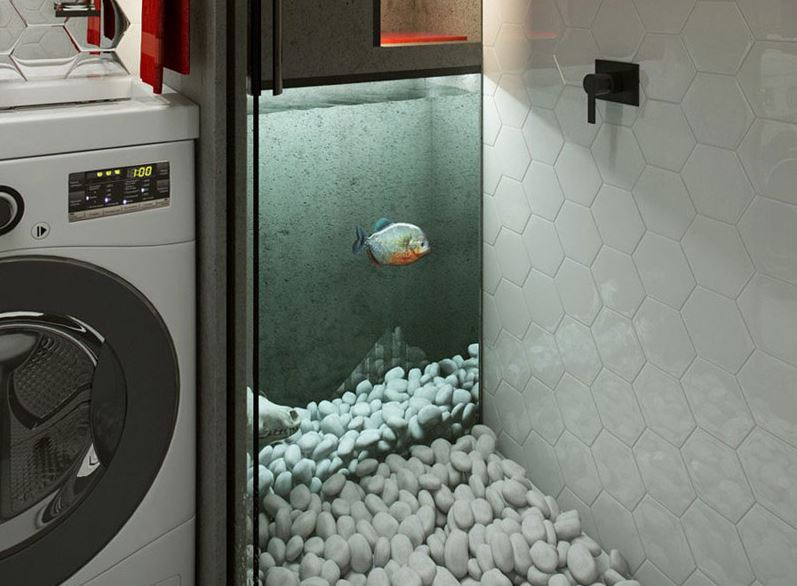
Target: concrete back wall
[{"x": 641, "y": 277}]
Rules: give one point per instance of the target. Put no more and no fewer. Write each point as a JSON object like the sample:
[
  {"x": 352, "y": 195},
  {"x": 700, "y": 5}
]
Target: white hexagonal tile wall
[
  {"x": 37, "y": 12},
  {"x": 578, "y": 174},
  {"x": 542, "y": 244},
  {"x": 665, "y": 273},
  {"x": 766, "y": 81},
  {"x": 492, "y": 270},
  {"x": 617, "y": 29},
  {"x": 617, "y": 344},
  {"x": 570, "y": 111},
  {"x": 578, "y": 467},
  {"x": 770, "y": 464},
  {"x": 664, "y": 202},
  {"x": 578, "y": 233},
  {"x": 545, "y": 417},
  {"x": 770, "y": 19},
  {"x": 717, "y": 110},
  {"x": 664, "y": 405},
  {"x": 514, "y": 316},
  {"x": 664, "y": 18},
  {"x": 666, "y": 70},
  {"x": 577, "y": 291},
  {"x": 663, "y": 336},
  {"x": 770, "y": 544},
  {"x": 512, "y": 256},
  {"x": 11, "y": 26},
  {"x": 514, "y": 368},
  {"x": 578, "y": 13},
  {"x": 718, "y": 185},
  {"x": 664, "y": 473},
  {"x": 617, "y": 469},
  {"x": 491, "y": 121},
  {"x": 617, "y": 530},
  {"x": 618, "y": 156},
  {"x": 543, "y": 191},
  {"x": 618, "y": 282},
  {"x": 717, "y": 256},
  {"x": 510, "y": 48},
  {"x": 543, "y": 135},
  {"x": 769, "y": 231},
  {"x": 543, "y": 356},
  {"x": 769, "y": 386},
  {"x": 618, "y": 219},
  {"x": 664, "y": 539},
  {"x": 716, "y": 329},
  {"x": 491, "y": 223},
  {"x": 767, "y": 154},
  {"x": 511, "y": 204},
  {"x": 511, "y": 153},
  {"x": 543, "y": 301},
  {"x": 717, "y": 37},
  {"x": 618, "y": 406},
  {"x": 511, "y": 100},
  {"x": 539, "y": 455},
  {"x": 578, "y": 351},
  {"x": 664, "y": 135},
  {"x": 544, "y": 26},
  {"x": 512, "y": 410},
  {"x": 769, "y": 308},
  {"x": 544, "y": 81},
  {"x": 576, "y": 52}
]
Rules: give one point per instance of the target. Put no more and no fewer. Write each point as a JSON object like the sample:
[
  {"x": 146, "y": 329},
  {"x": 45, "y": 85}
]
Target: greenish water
[{"x": 335, "y": 157}]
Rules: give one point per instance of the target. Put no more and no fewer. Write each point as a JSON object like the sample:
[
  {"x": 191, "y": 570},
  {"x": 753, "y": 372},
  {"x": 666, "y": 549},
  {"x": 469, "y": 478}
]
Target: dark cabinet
[{"x": 336, "y": 41}]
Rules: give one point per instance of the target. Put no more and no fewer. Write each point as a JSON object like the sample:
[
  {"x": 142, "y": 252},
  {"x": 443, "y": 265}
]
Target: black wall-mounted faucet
[{"x": 613, "y": 81}]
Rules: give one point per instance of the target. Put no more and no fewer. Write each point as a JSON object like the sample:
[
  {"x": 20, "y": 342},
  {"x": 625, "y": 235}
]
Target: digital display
[{"x": 118, "y": 190}]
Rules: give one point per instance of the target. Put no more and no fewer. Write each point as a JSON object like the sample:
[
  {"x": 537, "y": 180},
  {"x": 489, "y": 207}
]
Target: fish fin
[
  {"x": 359, "y": 243},
  {"x": 373, "y": 259},
  {"x": 382, "y": 223}
]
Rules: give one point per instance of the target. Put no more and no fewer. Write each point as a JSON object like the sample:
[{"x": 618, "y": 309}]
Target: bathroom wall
[
  {"x": 436, "y": 16},
  {"x": 641, "y": 277}
]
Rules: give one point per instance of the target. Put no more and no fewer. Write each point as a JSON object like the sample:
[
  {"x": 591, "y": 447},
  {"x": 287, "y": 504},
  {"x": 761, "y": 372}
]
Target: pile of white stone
[
  {"x": 448, "y": 515},
  {"x": 372, "y": 421}
]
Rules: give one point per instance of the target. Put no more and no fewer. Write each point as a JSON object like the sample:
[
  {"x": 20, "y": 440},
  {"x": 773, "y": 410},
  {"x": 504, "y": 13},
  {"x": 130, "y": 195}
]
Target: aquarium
[{"x": 369, "y": 276}]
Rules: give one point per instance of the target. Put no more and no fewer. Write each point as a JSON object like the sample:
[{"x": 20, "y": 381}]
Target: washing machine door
[{"x": 88, "y": 400}]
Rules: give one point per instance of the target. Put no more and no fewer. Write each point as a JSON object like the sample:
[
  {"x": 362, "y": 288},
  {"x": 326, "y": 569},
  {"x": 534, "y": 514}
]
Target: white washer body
[{"x": 153, "y": 250}]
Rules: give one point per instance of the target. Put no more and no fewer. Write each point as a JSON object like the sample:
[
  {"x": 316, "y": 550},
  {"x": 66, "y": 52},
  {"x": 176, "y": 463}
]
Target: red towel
[
  {"x": 93, "y": 31},
  {"x": 108, "y": 20},
  {"x": 164, "y": 40}
]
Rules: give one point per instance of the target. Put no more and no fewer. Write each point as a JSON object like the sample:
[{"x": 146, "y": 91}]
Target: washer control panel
[{"x": 121, "y": 190}]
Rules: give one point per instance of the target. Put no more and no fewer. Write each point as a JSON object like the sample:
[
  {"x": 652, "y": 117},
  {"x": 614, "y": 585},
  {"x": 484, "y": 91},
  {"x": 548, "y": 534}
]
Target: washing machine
[{"x": 97, "y": 344}]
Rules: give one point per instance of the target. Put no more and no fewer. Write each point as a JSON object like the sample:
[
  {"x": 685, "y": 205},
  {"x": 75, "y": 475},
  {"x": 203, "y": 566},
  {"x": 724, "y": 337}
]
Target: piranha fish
[{"x": 392, "y": 243}]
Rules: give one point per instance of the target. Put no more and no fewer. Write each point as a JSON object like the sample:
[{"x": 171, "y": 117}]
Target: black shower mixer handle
[{"x": 613, "y": 81}]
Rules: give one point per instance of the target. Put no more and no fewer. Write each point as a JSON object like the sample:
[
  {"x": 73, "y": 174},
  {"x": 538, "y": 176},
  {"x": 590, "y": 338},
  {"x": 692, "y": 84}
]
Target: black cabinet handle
[
  {"x": 255, "y": 47},
  {"x": 278, "y": 84},
  {"x": 613, "y": 81}
]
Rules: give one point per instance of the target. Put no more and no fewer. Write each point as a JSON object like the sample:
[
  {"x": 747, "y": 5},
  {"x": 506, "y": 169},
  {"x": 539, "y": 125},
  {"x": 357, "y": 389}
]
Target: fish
[{"x": 392, "y": 243}]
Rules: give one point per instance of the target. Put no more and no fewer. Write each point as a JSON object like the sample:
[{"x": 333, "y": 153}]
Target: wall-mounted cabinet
[
  {"x": 412, "y": 22},
  {"x": 341, "y": 41}
]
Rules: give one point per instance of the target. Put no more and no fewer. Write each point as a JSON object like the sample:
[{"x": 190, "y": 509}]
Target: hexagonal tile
[
  {"x": 617, "y": 29},
  {"x": 617, "y": 469},
  {"x": 577, "y": 291},
  {"x": 664, "y": 202},
  {"x": 43, "y": 43},
  {"x": 490, "y": 69},
  {"x": 514, "y": 368},
  {"x": 78, "y": 29},
  {"x": 578, "y": 175},
  {"x": 663, "y": 336},
  {"x": 491, "y": 320},
  {"x": 717, "y": 475},
  {"x": 770, "y": 544},
  {"x": 618, "y": 407},
  {"x": 767, "y": 156},
  {"x": 514, "y": 316},
  {"x": 769, "y": 19},
  {"x": 543, "y": 136},
  {"x": 544, "y": 414},
  {"x": 717, "y": 37},
  {"x": 512, "y": 152},
  {"x": 514, "y": 11},
  {"x": 664, "y": 539},
  {"x": 543, "y": 191},
  {"x": 765, "y": 82},
  {"x": 570, "y": 112},
  {"x": 664, "y": 18},
  {"x": 617, "y": 344},
  {"x": 542, "y": 244},
  {"x": 544, "y": 26},
  {"x": 617, "y": 155},
  {"x": 664, "y": 405},
  {"x": 544, "y": 81},
  {"x": 664, "y": 135},
  {"x": 11, "y": 26},
  {"x": 718, "y": 185},
  {"x": 537, "y": 454},
  {"x": 769, "y": 231},
  {"x": 618, "y": 219},
  {"x": 664, "y": 472},
  {"x": 666, "y": 69},
  {"x": 769, "y": 386},
  {"x": 770, "y": 464},
  {"x": 617, "y": 530},
  {"x": 716, "y": 546},
  {"x": 491, "y": 168},
  {"x": 717, "y": 256},
  {"x": 578, "y": 467},
  {"x": 542, "y": 300},
  {"x": 511, "y": 48},
  {"x": 512, "y": 100},
  {"x": 576, "y": 52},
  {"x": 511, "y": 204},
  {"x": 491, "y": 121},
  {"x": 717, "y": 110},
  {"x": 543, "y": 356},
  {"x": 512, "y": 257},
  {"x": 717, "y": 402},
  {"x": 578, "y": 233},
  {"x": 700, "y": 579},
  {"x": 9, "y": 71},
  {"x": 37, "y": 11},
  {"x": 578, "y": 13},
  {"x": 664, "y": 271},
  {"x": 717, "y": 329},
  {"x": 492, "y": 270},
  {"x": 578, "y": 350},
  {"x": 491, "y": 223},
  {"x": 512, "y": 410},
  {"x": 770, "y": 309},
  {"x": 650, "y": 574},
  {"x": 617, "y": 280},
  {"x": 568, "y": 501}
]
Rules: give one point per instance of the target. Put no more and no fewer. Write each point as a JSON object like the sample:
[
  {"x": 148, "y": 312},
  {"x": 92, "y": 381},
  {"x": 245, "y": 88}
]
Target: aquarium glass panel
[{"x": 369, "y": 310}]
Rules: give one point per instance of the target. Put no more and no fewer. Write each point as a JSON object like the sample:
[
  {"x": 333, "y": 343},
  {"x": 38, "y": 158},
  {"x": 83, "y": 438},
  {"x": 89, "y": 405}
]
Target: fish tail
[{"x": 359, "y": 243}]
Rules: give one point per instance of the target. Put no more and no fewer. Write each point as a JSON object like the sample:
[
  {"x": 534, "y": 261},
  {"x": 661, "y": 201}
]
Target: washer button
[{"x": 40, "y": 231}]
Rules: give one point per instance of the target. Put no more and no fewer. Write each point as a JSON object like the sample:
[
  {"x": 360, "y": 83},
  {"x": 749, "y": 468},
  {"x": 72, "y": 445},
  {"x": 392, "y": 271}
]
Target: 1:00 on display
[{"x": 145, "y": 171}]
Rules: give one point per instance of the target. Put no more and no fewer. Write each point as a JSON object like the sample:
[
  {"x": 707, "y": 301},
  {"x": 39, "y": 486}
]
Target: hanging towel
[
  {"x": 93, "y": 31},
  {"x": 164, "y": 40},
  {"x": 109, "y": 20}
]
